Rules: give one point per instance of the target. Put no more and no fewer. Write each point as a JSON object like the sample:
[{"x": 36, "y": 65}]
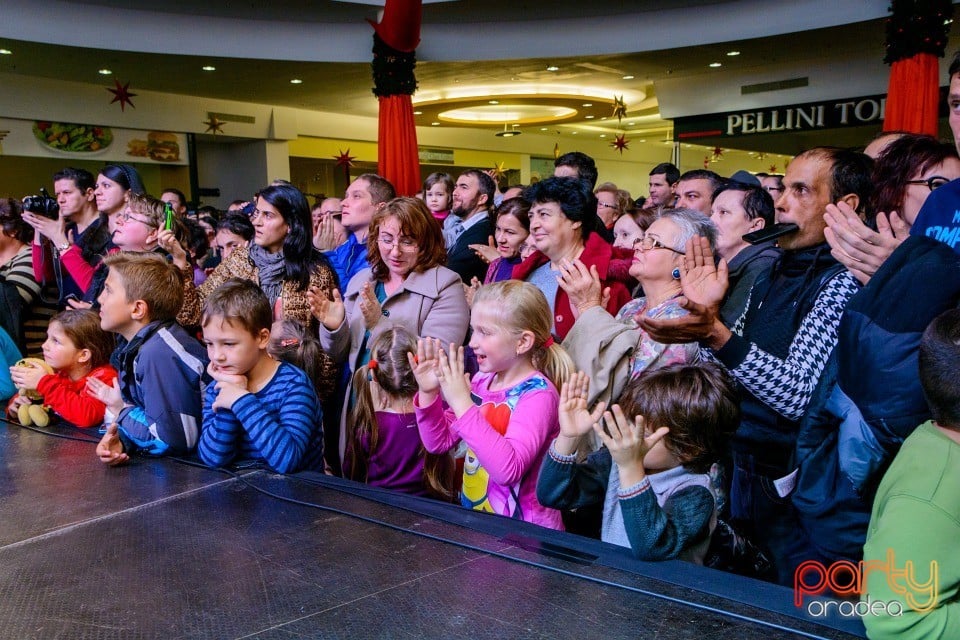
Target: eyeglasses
[
  {"x": 126, "y": 217},
  {"x": 404, "y": 244},
  {"x": 604, "y": 205},
  {"x": 933, "y": 182},
  {"x": 648, "y": 243},
  {"x": 331, "y": 212}
]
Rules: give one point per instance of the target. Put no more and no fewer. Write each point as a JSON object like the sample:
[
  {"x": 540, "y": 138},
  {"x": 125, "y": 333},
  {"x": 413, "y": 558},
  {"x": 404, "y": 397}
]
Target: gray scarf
[{"x": 271, "y": 268}]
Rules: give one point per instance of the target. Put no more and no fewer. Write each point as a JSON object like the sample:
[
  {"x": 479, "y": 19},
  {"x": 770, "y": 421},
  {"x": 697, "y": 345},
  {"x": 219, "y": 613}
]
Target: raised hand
[
  {"x": 167, "y": 241},
  {"x": 470, "y": 290},
  {"x": 581, "y": 284},
  {"x": 454, "y": 381},
  {"x": 327, "y": 236},
  {"x": 370, "y": 306},
  {"x": 703, "y": 281},
  {"x": 329, "y": 312},
  {"x": 628, "y": 442},
  {"x": 424, "y": 365},
  {"x": 110, "y": 448},
  {"x": 109, "y": 395},
  {"x": 487, "y": 252},
  {"x": 575, "y": 420}
]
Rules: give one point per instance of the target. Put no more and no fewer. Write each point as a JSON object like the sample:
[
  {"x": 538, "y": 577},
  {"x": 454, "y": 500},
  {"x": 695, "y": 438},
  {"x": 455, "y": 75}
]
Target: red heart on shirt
[{"x": 498, "y": 415}]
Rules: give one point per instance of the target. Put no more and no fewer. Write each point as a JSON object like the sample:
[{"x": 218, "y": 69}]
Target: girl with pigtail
[
  {"x": 507, "y": 414},
  {"x": 383, "y": 446}
]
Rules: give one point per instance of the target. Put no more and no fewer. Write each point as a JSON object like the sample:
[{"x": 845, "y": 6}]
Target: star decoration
[
  {"x": 761, "y": 156},
  {"x": 621, "y": 143},
  {"x": 717, "y": 153},
  {"x": 214, "y": 125},
  {"x": 619, "y": 108},
  {"x": 499, "y": 170},
  {"x": 556, "y": 150},
  {"x": 706, "y": 161},
  {"x": 122, "y": 95},
  {"x": 773, "y": 168},
  {"x": 345, "y": 160}
]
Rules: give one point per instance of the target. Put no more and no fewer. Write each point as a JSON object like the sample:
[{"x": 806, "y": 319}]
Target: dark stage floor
[{"x": 161, "y": 549}]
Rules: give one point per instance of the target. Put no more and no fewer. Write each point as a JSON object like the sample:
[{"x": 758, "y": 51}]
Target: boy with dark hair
[
  {"x": 155, "y": 405},
  {"x": 576, "y": 164},
  {"x": 916, "y": 514},
  {"x": 259, "y": 409}
]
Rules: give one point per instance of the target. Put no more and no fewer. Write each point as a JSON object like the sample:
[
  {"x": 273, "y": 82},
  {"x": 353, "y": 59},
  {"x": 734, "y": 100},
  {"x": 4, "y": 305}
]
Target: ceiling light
[
  {"x": 733, "y": 53},
  {"x": 603, "y": 135},
  {"x": 296, "y": 81},
  {"x": 543, "y": 128},
  {"x": 628, "y": 77},
  {"x": 5, "y": 52},
  {"x": 574, "y": 132},
  {"x": 104, "y": 72},
  {"x": 418, "y": 113},
  {"x": 714, "y": 65},
  {"x": 434, "y": 124},
  {"x": 209, "y": 68},
  {"x": 588, "y": 104},
  {"x": 553, "y": 68},
  {"x": 508, "y": 133},
  {"x": 494, "y": 102},
  {"x": 631, "y": 123},
  {"x": 589, "y": 117},
  {"x": 643, "y": 141}
]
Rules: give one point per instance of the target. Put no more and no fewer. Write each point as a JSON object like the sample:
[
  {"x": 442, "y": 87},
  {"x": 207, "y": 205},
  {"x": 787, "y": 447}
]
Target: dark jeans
[{"x": 769, "y": 520}]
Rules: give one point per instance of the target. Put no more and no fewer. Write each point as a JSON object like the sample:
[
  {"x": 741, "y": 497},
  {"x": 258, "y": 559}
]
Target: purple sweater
[
  {"x": 507, "y": 433},
  {"x": 397, "y": 462}
]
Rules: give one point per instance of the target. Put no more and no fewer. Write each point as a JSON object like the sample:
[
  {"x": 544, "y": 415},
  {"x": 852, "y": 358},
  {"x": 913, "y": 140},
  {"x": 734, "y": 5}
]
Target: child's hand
[
  {"x": 109, "y": 395},
  {"x": 18, "y": 401},
  {"x": 219, "y": 376},
  {"x": 471, "y": 290},
  {"x": 424, "y": 366},
  {"x": 370, "y": 306},
  {"x": 73, "y": 303},
  {"x": 454, "y": 382},
  {"x": 329, "y": 312},
  {"x": 167, "y": 241},
  {"x": 110, "y": 449},
  {"x": 228, "y": 393},
  {"x": 628, "y": 443},
  {"x": 575, "y": 420},
  {"x": 27, "y": 376}
]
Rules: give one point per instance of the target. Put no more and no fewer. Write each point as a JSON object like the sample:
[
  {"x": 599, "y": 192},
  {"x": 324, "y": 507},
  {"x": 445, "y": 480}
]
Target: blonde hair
[
  {"x": 148, "y": 277},
  {"x": 523, "y": 307}
]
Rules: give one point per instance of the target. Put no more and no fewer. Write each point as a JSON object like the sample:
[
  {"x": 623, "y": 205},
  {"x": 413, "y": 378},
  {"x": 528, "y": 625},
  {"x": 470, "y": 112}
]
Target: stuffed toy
[{"x": 29, "y": 414}]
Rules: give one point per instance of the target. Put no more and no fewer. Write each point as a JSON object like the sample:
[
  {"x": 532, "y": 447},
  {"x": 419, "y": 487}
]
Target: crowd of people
[{"x": 683, "y": 375}]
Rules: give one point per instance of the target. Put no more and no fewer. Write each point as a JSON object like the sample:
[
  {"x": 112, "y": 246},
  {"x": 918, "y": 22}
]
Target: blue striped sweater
[{"x": 279, "y": 425}]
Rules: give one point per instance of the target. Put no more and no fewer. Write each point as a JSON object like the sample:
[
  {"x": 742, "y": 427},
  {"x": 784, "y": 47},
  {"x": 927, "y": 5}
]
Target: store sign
[
  {"x": 831, "y": 114},
  {"x": 436, "y": 156}
]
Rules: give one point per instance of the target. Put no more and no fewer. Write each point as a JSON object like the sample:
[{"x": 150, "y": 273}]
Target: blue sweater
[
  {"x": 162, "y": 371},
  {"x": 348, "y": 259},
  {"x": 279, "y": 425}
]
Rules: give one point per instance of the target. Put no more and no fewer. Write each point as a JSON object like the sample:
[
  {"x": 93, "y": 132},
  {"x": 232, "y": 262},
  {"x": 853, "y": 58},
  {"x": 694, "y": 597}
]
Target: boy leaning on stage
[{"x": 155, "y": 406}]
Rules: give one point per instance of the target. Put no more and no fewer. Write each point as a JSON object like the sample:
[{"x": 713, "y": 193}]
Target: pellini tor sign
[{"x": 849, "y": 579}]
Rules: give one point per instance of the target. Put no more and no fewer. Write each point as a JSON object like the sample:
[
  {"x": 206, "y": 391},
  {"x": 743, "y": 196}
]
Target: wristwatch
[{"x": 63, "y": 248}]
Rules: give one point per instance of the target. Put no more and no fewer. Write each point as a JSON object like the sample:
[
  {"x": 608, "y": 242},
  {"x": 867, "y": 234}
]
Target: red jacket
[
  {"x": 595, "y": 252},
  {"x": 70, "y": 399}
]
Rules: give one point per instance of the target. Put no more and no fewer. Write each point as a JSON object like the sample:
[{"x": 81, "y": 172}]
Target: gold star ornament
[
  {"x": 619, "y": 108},
  {"x": 214, "y": 125}
]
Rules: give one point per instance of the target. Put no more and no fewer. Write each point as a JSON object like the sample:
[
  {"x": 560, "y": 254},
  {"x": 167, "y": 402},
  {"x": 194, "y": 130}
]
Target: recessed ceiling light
[
  {"x": 494, "y": 102},
  {"x": 209, "y": 68},
  {"x": 631, "y": 123},
  {"x": 418, "y": 113},
  {"x": 434, "y": 124},
  {"x": 543, "y": 128},
  {"x": 296, "y": 81},
  {"x": 643, "y": 141},
  {"x": 5, "y": 52},
  {"x": 104, "y": 72},
  {"x": 603, "y": 135},
  {"x": 714, "y": 65},
  {"x": 628, "y": 77},
  {"x": 589, "y": 117},
  {"x": 733, "y": 53},
  {"x": 553, "y": 68},
  {"x": 588, "y": 104},
  {"x": 574, "y": 132},
  {"x": 604, "y": 118}
]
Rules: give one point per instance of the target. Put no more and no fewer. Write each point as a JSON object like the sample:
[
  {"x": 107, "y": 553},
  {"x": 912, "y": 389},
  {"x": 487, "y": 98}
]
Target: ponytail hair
[
  {"x": 390, "y": 370},
  {"x": 523, "y": 307},
  {"x": 291, "y": 342}
]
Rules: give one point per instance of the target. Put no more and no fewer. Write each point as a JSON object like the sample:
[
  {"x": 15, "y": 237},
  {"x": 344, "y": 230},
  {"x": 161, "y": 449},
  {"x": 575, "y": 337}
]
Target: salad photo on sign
[{"x": 72, "y": 138}]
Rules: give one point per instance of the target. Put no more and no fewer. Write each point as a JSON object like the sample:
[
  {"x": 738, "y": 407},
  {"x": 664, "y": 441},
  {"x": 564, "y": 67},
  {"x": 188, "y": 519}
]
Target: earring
[{"x": 676, "y": 273}]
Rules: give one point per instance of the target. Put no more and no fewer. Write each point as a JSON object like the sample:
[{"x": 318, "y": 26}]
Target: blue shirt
[
  {"x": 348, "y": 259},
  {"x": 939, "y": 217}
]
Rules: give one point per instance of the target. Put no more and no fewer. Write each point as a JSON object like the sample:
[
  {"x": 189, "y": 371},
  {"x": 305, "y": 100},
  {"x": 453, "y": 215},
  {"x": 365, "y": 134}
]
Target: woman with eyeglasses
[
  {"x": 281, "y": 259},
  {"x": 406, "y": 285},
  {"x": 615, "y": 350},
  {"x": 904, "y": 174}
]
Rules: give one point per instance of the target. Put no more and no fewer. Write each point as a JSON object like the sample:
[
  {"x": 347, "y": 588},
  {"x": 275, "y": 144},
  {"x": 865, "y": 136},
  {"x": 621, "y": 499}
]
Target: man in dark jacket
[{"x": 472, "y": 199}]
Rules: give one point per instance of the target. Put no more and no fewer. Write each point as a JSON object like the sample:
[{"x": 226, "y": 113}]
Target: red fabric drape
[
  {"x": 913, "y": 95},
  {"x": 397, "y": 156}
]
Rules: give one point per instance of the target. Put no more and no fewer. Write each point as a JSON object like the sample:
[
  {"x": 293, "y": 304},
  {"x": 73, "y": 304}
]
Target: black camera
[{"x": 42, "y": 204}]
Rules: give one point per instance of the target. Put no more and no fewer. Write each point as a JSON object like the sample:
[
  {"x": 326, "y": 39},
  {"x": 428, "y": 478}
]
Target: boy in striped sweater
[{"x": 259, "y": 409}]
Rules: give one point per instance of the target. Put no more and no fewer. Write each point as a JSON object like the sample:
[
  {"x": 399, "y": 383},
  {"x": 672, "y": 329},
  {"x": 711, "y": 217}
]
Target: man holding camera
[{"x": 79, "y": 229}]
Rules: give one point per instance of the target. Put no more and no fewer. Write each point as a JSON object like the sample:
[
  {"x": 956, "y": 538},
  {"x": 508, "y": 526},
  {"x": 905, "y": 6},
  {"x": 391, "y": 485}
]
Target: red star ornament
[
  {"x": 773, "y": 168},
  {"x": 345, "y": 160},
  {"x": 122, "y": 95},
  {"x": 717, "y": 153},
  {"x": 621, "y": 143}
]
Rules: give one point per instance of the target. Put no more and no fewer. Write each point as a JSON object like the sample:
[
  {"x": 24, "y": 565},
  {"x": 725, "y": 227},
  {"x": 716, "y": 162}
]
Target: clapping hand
[
  {"x": 470, "y": 290},
  {"x": 454, "y": 381},
  {"x": 487, "y": 252},
  {"x": 575, "y": 420},
  {"x": 109, "y": 395},
  {"x": 582, "y": 285},
  {"x": 370, "y": 306},
  {"x": 327, "y": 236},
  {"x": 424, "y": 365},
  {"x": 330, "y": 312},
  {"x": 858, "y": 247}
]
